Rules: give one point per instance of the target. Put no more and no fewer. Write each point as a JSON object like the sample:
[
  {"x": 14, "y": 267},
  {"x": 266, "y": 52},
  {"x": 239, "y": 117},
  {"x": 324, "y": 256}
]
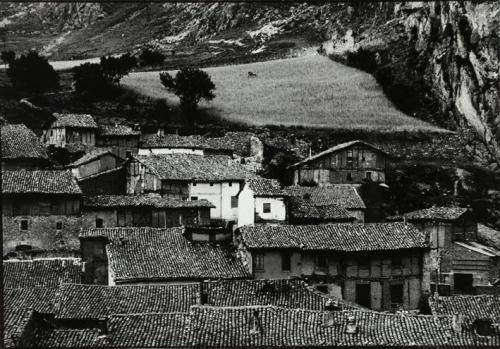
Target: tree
[
  {"x": 190, "y": 85},
  {"x": 90, "y": 78},
  {"x": 114, "y": 68},
  {"x": 151, "y": 58},
  {"x": 33, "y": 73},
  {"x": 8, "y": 56}
]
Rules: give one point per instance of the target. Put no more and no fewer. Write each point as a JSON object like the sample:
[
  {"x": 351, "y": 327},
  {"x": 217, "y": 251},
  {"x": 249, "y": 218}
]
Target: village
[{"x": 167, "y": 240}]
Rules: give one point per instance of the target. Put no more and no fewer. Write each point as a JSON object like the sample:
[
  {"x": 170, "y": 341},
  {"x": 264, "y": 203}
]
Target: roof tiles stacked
[
  {"x": 165, "y": 254},
  {"x": 192, "y": 141},
  {"x": 336, "y": 237},
  {"x": 40, "y": 299},
  {"x": 265, "y": 187},
  {"x": 93, "y": 155},
  {"x": 189, "y": 167},
  {"x": 75, "y": 120},
  {"x": 49, "y": 272},
  {"x": 71, "y": 338},
  {"x": 117, "y": 131},
  {"x": 433, "y": 214},
  {"x": 19, "y": 142},
  {"x": 39, "y": 182},
  {"x": 473, "y": 307},
  {"x": 341, "y": 195},
  {"x": 156, "y": 201},
  {"x": 15, "y": 321},
  {"x": 301, "y": 208}
]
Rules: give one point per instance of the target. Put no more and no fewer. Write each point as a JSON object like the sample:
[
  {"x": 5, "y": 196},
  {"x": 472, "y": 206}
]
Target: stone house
[
  {"x": 71, "y": 129},
  {"x": 41, "y": 209},
  {"x": 381, "y": 266},
  {"x": 328, "y": 199},
  {"x": 22, "y": 149},
  {"x": 352, "y": 162},
  {"x": 216, "y": 178},
  {"x": 459, "y": 261},
  {"x": 120, "y": 139},
  {"x": 156, "y": 255},
  {"x": 144, "y": 211},
  {"x": 262, "y": 200}
]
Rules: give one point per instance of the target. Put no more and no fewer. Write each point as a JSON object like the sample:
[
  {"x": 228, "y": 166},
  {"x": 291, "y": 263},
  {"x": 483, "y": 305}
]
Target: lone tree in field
[
  {"x": 33, "y": 73},
  {"x": 190, "y": 85}
]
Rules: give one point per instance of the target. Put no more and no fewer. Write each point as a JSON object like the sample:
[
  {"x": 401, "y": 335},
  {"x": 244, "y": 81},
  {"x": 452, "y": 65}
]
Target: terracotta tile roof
[
  {"x": 472, "y": 307},
  {"x": 70, "y": 338},
  {"x": 280, "y": 327},
  {"x": 93, "y": 155},
  {"x": 336, "y": 237},
  {"x": 192, "y": 141},
  {"x": 117, "y": 130},
  {"x": 265, "y": 187},
  {"x": 15, "y": 321},
  {"x": 189, "y": 167},
  {"x": 40, "y": 299},
  {"x": 165, "y": 254},
  {"x": 335, "y": 149},
  {"x": 342, "y": 195},
  {"x": 96, "y": 301},
  {"x": 75, "y": 120},
  {"x": 300, "y": 208},
  {"x": 102, "y": 201},
  {"x": 432, "y": 214},
  {"x": 39, "y": 181},
  {"x": 19, "y": 142},
  {"x": 287, "y": 293},
  {"x": 46, "y": 272}
]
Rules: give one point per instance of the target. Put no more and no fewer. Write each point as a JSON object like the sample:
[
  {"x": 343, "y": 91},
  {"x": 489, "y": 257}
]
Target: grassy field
[{"x": 310, "y": 91}]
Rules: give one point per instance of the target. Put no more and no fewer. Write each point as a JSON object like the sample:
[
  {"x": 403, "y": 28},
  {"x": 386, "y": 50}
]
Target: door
[
  {"x": 363, "y": 295},
  {"x": 463, "y": 283}
]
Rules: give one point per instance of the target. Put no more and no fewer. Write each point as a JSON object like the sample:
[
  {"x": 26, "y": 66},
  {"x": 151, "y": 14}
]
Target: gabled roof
[
  {"x": 93, "y": 155},
  {"x": 165, "y": 254},
  {"x": 19, "y": 142},
  {"x": 265, "y": 187},
  {"x": 477, "y": 247},
  {"x": 44, "y": 272},
  {"x": 192, "y": 142},
  {"x": 304, "y": 208},
  {"x": 336, "y": 149},
  {"x": 40, "y": 182},
  {"x": 189, "y": 167},
  {"x": 40, "y": 299},
  {"x": 341, "y": 195},
  {"x": 74, "y": 120},
  {"x": 70, "y": 338},
  {"x": 472, "y": 307},
  {"x": 432, "y": 214},
  {"x": 96, "y": 301},
  {"x": 345, "y": 237},
  {"x": 117, "y": 131},
  {"x": 156, "y": 201}
]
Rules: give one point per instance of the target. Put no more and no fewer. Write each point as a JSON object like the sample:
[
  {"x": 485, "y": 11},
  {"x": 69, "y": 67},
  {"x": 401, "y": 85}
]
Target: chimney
[
  {"x": 351, "y": 328},
  {"x": 161, "y": 132},
  {"x": 457, "y": 322}
]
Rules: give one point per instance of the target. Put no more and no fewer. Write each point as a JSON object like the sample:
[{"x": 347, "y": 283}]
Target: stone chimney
[{"x": 351, "y": 328}]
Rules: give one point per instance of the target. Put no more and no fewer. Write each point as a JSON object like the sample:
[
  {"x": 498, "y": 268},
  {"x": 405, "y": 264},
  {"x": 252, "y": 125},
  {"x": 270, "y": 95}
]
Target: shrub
[
  {"x": 151, "y": 58},
  {"x": 33, "y": 73}
]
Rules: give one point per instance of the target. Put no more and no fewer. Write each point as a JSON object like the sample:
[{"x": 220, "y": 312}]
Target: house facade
[
  {"x": 353, "y": 162},
  {"x": 120, "y": 139},
  {"x": 22, "y": 149},
  {"x": 379, "y": 266},
  {"x": 41, "y": 209},
  {"x": 95, "y": 162},
  {"x": 71, "y": 129},
  {"x": 215, "y": 178}
]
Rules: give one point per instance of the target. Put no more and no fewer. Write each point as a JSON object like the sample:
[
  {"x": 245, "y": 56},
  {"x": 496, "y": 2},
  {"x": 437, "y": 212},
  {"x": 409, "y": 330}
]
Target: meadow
[{"x": 309, "y": 91}]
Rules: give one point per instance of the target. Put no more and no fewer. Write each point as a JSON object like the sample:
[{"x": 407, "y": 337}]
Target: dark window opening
[
  {"x": 266, "y": 207},
  {"x": 397, "y": 262},
  {"x": 211, "y": 184},
  {"x": 230, "y": 184},
  {"x": 194, "y": 198},
  {"x": 349, "y": 176},
  {"x": 322, "y": 288},
  {"x": 234, "y": 201},
  {"x": 59, "y": 225},
  {"x": 364, "y": 264},
  {"x": 396, "y": 295},
  {"x": 321, "y": 262},
  {"x": 368, "y": 176},
  {"x": 363, "y": 295},
  {"x": 24, "y": 224},
  {"x": 99, "y": 223},
  {"x": 258, "y": 262},
  {"x": 286, "y": 261},
  {"x": 463, "y": 283}
]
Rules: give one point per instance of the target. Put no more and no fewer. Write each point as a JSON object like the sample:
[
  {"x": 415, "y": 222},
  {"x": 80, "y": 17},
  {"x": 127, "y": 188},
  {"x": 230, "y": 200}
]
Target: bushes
[{"x": 33, "y": 73}]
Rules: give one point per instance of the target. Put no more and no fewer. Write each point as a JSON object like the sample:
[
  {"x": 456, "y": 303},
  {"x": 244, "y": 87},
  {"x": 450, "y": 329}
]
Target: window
[
  {"x": 258, "y": 261},
  {"x": 364, "y": 264},
  {"x": 363, "y": 295},
  {"x": 211, "y": 184},
  {"x": 349, "y": 158},
  {"x": 230, "y": 184},
  {"x": 396, "y": 295},
  {"x": 397, "y": 262},
  {"x": 234, "y": 201},
  {"x": 24, "y": 224},
  {"x": 368, "y": 176},
  {"x": 349, "y": 176},
  {"x": 99, "y": 223},
  {"x": 58, "y": 225},
  {"x": 194, "y": 198},
  {"x": 286, "y": 261},
  {"x": 194, "y": 184},
  {"x": 321, "y": 262},
  {"x": 266, "y": 207}
]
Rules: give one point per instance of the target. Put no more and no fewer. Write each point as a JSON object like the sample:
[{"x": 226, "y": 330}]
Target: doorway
[
  {"x": 363, "y": 295},
  {"x": 463, "y": 283}
]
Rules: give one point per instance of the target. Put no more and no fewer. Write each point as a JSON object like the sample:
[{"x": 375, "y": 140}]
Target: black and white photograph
[{"x": 250, "y": 174}]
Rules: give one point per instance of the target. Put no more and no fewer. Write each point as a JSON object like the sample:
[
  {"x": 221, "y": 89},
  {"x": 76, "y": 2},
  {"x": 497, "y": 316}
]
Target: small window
[
  {"x": 397, "y": 262},
  {"x": 194, "y": 198},
  {"x": 51, "y": 133},
  {"x": 368, "y": 176},
  {"x": 364, "y": 264},
  {"x": 194, "y": 184},
  {"x": 258, "y": 262},
  {"x": 349, "y": 176},
  {"x": 266, "y": 207},
  {"x": 59, "y": 225},
  {"x": 396, "y": 295},
  {"x": 99, "y": 223},
  {"x": 24, "y": 224},
  {"x": 211, "y": 184},
  {"x": 321, "y": 262},
  {"x": 286, "y": 261},
  {"x": 234, "y": 201},
  {"x": 230, "y": 184}
]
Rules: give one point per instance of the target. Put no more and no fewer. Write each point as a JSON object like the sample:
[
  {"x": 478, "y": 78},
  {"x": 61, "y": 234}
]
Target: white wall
[
  {"x": 155, "y": 151},
  {"x": 219, "y": 194},
  {"x": 278, "y": 208},
  {"x": 246, "y": 207}
]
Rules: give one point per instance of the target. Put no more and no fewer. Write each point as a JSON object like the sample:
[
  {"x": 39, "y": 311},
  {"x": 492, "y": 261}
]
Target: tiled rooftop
[
  {"x": 433, "y": 214},
  {"x": 265, "y": 187},
  {"x": 71, "y": 338},
  {"x": 117, "y": 130},
  {"x": 103, "y": 201},
  {"x": 342, "y": 195},
  {"x": 47, "y": 272},
  {"x": 336, "y": 237},
  {"x": 40, "y": 299},
  {"x": 93, "y": 155},
  {"x": 15, "y": 320},
  {"x": 192, "y": 141},
  {"x": 19, "y": 142},
  {"x": 301, "y": 208},
  {"x": 75, "y": 120},
  {"x": 472, "y": 307},
  {"x": 165, "y": 254},
  {"x": 39, "y": 181}
]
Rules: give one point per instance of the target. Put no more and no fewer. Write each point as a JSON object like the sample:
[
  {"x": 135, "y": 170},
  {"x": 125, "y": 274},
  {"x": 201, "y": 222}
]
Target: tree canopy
[{"x": 33, "y": 73}]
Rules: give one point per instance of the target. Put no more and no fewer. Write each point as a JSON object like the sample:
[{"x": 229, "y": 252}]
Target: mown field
[{"x": 310, "y": 91}]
